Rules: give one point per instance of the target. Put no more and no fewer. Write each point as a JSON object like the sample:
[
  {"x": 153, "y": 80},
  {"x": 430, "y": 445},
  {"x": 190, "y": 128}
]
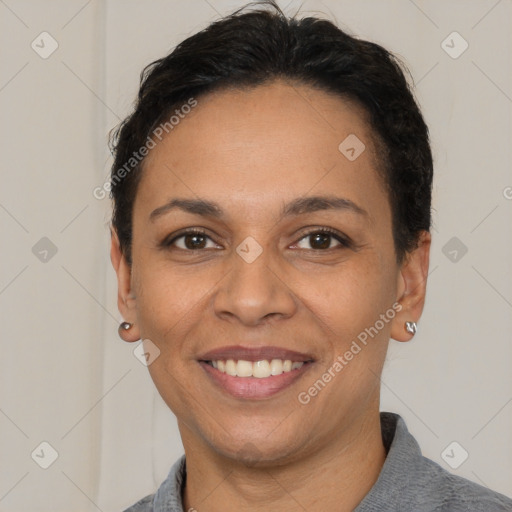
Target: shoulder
[
  {"x": 409, "y": 481},
  {"x": 445, "y": 492},
  {"x": 143, "y": 505}
]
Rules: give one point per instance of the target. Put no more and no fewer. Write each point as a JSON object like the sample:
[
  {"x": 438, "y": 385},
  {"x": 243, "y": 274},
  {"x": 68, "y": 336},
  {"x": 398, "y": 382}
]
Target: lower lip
[{"x": 253, "y": 387}]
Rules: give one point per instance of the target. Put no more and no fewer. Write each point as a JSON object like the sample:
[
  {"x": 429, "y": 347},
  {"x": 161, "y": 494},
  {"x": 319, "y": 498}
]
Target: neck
[{"x": 344, "y": 470}]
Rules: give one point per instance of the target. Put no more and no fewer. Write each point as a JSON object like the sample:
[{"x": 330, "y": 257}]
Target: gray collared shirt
[{"x": 408, "y": 482}]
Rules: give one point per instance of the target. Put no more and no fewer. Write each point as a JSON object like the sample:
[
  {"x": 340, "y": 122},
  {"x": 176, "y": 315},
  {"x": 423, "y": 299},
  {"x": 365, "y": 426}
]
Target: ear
[
  {"x": 126, "y": 300},
  {"x": 411, "y": 288}
]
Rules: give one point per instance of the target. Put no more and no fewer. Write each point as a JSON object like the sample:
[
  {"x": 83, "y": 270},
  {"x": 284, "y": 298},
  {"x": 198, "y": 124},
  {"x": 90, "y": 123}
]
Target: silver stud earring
[
  {"x": 124, "y": 331},
  {"x": 125, "y": 326},
  {"x": 410, "y": 327}
]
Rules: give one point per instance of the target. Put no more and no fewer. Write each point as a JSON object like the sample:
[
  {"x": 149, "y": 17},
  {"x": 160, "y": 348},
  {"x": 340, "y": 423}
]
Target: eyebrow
[{"x": 299, "y": 206}]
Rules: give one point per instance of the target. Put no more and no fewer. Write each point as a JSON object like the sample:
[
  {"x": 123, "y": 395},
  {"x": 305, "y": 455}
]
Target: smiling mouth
[
  {"x": 259, "y": 369},
  {"x": 255, "y": 373}
]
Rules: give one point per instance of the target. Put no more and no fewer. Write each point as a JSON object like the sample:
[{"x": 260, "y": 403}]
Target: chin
[{"x": 257, "y": 452}]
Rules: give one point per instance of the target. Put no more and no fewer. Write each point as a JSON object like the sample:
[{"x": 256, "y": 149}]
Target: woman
[{"x": 272, "y": 195}]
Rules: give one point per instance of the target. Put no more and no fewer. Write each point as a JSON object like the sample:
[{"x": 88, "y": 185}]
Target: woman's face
[{"x": 265, "y": 274}]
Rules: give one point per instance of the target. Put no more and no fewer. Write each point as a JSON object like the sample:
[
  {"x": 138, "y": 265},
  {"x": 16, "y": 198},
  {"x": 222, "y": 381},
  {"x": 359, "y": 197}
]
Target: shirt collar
[
  {"x": 168, "y": 498},
  {"x": 400, "y": 467}
]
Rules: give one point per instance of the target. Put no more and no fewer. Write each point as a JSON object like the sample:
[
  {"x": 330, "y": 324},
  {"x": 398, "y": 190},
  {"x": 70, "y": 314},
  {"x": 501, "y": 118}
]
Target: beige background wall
[{"x": 66, "y": 378}]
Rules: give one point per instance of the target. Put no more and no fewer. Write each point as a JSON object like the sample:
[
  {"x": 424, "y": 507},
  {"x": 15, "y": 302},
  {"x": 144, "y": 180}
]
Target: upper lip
[{"x": 237, "y": 352}]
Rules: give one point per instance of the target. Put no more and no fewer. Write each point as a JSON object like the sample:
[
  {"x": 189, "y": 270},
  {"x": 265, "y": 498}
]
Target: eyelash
[{"x": 344, "y": 241}]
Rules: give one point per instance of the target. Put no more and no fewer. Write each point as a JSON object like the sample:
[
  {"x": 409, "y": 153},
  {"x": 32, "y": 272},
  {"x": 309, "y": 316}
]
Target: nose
[{"x": 252, "y": 293}]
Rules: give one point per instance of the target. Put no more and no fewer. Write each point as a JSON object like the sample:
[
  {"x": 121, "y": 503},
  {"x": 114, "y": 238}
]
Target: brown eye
[
  {"x": 194, "y": 241},
  {"x": 322, "y": 240},
  {"x": 191, "y": 240}
]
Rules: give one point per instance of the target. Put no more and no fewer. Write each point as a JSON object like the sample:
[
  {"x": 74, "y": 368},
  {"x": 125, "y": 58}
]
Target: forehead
[{"x": 263, "y": 145}]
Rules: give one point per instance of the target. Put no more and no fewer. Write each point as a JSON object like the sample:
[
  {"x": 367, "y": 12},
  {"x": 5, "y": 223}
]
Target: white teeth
[
  {"x": 276, "y": 367},
  {"x": 231, "y": 367},
  {"x": 259, "y": 369},
  {"x": 243, "y": 368}
]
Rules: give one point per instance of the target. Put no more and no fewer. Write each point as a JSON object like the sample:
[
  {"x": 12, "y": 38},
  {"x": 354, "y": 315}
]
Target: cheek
[
  {"x": 168, "y": 312},
  {"x": 354, "y": 294},
  {"x": 356, "y": 312},
  {"x": 166, "y": 296}
]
